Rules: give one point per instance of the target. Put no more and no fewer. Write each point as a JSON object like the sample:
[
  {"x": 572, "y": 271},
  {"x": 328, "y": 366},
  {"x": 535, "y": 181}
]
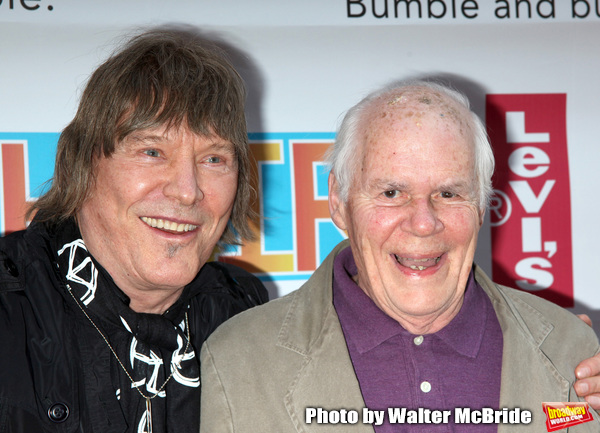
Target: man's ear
[{"x": 337, "y": 207}]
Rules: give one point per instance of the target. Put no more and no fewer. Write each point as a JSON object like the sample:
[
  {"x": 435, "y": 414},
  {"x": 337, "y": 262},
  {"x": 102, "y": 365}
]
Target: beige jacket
[{"x": 264, "y": 367}]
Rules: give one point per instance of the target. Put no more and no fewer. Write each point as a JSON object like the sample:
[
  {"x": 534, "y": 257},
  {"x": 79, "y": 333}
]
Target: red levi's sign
[
  {"x": 563, "y": 415},
  {"x": 530, "y": 212}
]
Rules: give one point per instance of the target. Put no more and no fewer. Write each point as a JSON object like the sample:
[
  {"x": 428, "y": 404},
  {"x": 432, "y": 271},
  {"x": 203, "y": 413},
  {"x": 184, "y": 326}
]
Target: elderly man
[
  {"x": 107, "y": 296},
  {"x": 399, "y": 316}
]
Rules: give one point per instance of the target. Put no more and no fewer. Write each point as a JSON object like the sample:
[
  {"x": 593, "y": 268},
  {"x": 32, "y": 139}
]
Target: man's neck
[{"x": 151, "y": 301}]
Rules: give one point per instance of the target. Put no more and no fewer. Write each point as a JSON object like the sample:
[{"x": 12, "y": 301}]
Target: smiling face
[
  {"x": 412, "y": 214},
  {"x": 157, "y": 209}
]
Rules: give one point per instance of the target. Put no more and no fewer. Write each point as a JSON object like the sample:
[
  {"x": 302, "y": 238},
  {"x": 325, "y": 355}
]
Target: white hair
[{"x": 343, "y": 158}]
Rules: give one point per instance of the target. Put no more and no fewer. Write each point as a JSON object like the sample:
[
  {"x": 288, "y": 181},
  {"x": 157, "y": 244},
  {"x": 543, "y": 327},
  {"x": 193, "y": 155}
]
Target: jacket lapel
[
  {"x": 326, "y": 380},
  {"x": 523, "y": 358},
  {"x": 326, "y": 377}
]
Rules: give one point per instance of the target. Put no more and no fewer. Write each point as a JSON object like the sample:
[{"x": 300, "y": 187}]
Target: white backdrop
[{"x": 306, "y": 62}]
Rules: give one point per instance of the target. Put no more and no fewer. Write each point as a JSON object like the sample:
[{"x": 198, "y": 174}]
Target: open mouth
[
  {"x": 417, "y": 264},
  {"x": 167, "y": 225}
]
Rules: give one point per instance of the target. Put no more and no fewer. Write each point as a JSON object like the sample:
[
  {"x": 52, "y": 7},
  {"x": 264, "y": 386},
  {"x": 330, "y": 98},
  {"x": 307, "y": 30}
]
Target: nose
[
  {"x": 183, "y": 181},
  {"x": 421, "y": 219}
]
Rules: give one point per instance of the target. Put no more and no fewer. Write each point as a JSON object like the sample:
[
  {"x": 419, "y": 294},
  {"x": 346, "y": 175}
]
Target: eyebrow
[
  {"x": 138, "y": 137},
  {"x": 454, "y": 186},
  {"x": 223, "y": 145},
  {"x": 386, "y": 185},
  {"x": 141, "y": 138}
]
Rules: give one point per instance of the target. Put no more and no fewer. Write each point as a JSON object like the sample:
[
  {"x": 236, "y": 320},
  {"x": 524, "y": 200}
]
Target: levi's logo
[
  {"x": 530, "y": 212},
  {"x": 563, "y": 415}
]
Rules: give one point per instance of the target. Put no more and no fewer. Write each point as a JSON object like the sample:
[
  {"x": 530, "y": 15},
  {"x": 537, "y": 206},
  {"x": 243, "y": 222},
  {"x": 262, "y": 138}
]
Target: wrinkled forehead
[{"x": 417, "y": 128}]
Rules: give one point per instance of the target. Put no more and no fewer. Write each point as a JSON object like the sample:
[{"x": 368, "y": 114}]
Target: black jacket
[{"x": 48, "y": 347}]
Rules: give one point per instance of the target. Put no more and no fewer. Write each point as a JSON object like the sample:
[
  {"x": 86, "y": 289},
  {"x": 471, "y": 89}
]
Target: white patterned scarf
[{"x": 151, "y": 347}]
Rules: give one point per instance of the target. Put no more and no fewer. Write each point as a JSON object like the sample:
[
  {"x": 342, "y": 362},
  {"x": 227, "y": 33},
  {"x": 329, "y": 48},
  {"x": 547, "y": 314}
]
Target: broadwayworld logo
[{"x": 563, "y": 415}]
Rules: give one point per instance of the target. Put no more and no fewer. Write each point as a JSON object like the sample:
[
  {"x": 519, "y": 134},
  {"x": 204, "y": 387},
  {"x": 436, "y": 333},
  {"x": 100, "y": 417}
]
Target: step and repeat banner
[{"x": 531, "y": 69}]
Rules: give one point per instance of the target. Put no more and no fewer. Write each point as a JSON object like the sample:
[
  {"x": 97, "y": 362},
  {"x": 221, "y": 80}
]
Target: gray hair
[{"x": 342, "y": 156}]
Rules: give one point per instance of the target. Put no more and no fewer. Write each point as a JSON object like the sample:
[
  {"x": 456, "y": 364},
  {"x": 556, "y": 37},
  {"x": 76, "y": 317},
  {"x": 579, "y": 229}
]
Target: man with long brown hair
[{"x": 108, "y": 295}]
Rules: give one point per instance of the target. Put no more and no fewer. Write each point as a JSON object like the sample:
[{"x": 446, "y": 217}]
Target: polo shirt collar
[{"x": 366, "y": 326}]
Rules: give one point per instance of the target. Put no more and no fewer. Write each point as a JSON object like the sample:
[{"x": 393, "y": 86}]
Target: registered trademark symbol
[{"x": 500, "y": 208}]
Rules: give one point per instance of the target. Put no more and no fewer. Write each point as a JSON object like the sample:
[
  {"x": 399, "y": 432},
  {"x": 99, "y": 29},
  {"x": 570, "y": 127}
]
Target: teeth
[
  {"x": 168, "y": 225},
  {"x": 413, "y": 263}
]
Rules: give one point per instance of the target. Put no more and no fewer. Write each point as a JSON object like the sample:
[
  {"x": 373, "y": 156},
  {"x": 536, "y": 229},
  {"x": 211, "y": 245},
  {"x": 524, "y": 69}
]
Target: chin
[{"x": 175, "y": 276}]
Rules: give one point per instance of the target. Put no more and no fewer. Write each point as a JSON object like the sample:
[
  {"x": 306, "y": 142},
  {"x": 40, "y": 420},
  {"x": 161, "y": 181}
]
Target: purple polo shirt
[{"x": 458, "y": 366}]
